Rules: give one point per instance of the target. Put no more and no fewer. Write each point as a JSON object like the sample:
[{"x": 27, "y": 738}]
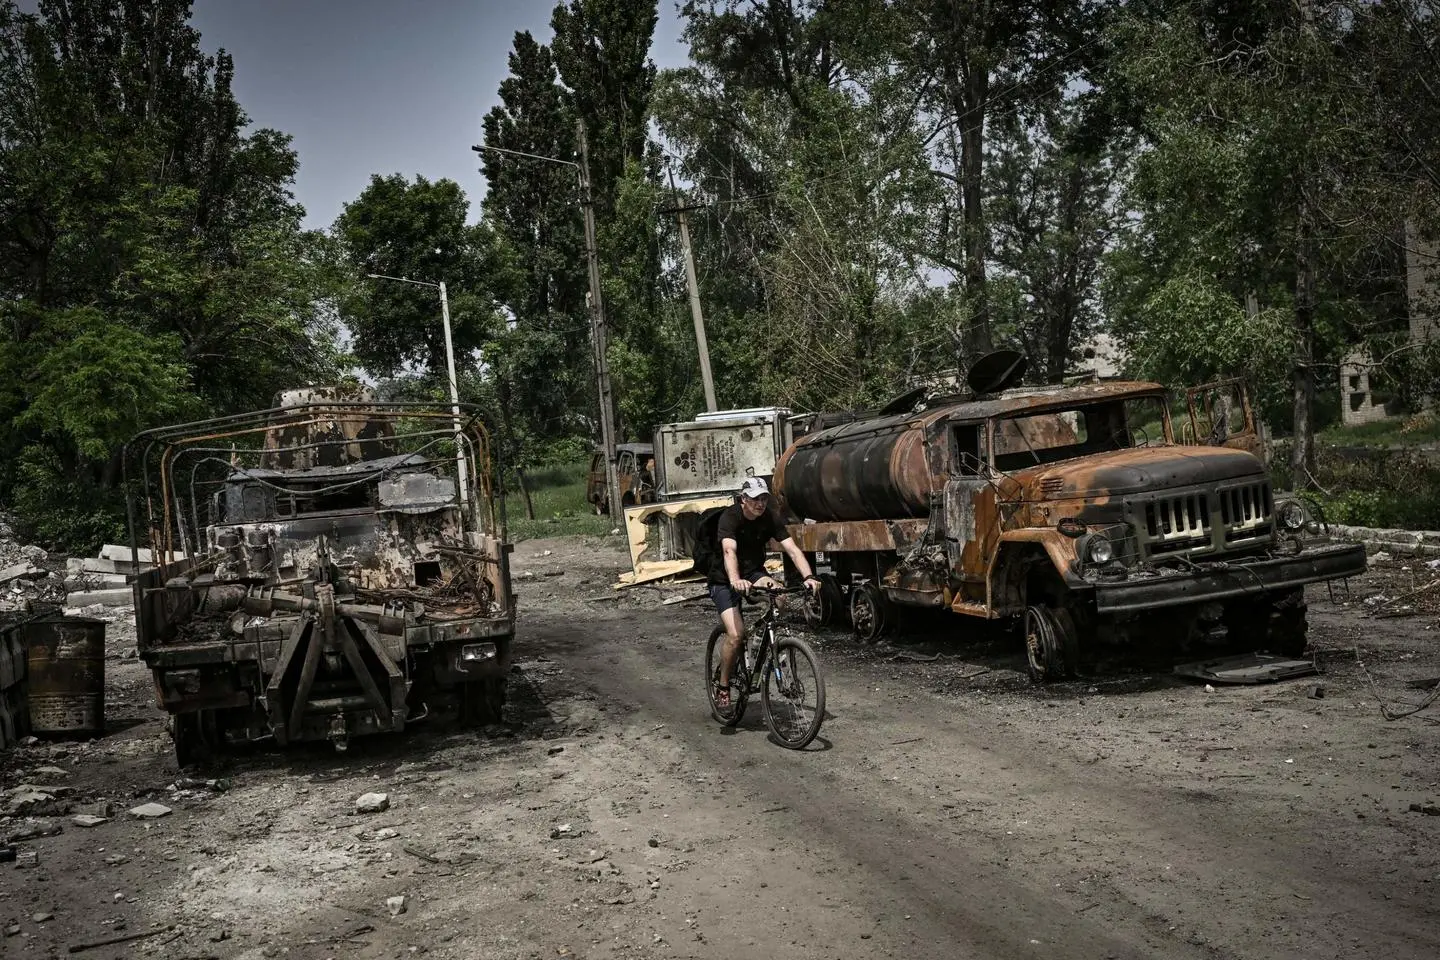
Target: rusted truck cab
[
  {"x": 328, "y": 568},
  {"x": 1070, "y": 510}
]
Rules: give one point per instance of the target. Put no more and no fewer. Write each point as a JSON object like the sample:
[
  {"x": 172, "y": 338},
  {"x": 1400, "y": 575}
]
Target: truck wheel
[
  {"x": 824, "y": 610},
  {"x": 196, "y": 736},
  {"x": 482, "y": 702},
  {"x": 1050, "y": 644},
  {"x": 867, "y": 612}
]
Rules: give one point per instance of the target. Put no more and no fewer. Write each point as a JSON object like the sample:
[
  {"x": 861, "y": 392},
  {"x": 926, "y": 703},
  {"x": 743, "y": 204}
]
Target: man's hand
[
  {"x": 813, "y": 585},
  {"x": 741, "y": 586}
]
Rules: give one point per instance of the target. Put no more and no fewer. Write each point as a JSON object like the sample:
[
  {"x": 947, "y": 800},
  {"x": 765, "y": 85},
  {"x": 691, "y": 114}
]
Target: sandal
[{"x": 723, "y": 702}]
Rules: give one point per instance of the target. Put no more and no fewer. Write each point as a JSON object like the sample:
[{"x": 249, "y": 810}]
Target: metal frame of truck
[{"x": 343, "y": 586}]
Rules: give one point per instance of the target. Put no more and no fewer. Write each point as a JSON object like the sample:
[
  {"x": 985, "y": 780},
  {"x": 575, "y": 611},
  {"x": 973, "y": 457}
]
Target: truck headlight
[
  {"x": 1099, "y": 549},
  {"x": 1291, "y": 515},
  {"x": 475, "y": 652}
]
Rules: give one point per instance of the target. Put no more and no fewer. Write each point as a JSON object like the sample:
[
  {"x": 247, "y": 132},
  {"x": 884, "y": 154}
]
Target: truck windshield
[{"x": 1040, "y": 438}]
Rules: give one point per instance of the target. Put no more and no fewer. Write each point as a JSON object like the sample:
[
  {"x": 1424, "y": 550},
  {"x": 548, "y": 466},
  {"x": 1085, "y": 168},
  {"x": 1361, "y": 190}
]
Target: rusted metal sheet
[
  {"x": 661, "y": 536},
  {"x": 67, "y": 675},
  {"x": 14, "y": 684},
  {"x": 856, "y": 535}
]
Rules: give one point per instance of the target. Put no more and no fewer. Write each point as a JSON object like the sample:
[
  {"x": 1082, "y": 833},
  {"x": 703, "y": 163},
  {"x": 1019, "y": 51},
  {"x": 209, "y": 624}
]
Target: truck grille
[
  {"x": 1177, "y": 523},
  {"x": 1201, "y": 521}
]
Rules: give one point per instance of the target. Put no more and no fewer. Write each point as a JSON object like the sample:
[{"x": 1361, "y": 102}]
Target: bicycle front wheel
[{"x": 794, "y": 693}]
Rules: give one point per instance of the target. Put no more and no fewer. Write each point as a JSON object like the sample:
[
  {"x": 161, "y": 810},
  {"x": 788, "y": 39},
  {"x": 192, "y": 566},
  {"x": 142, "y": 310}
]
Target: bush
[
  {"x": 1372, "y": 488},
  {"x": 63, "y": 508}
]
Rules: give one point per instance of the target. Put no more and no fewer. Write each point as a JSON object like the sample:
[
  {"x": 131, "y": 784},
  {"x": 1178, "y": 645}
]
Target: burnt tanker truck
[
  {"x": 1069, "y": 511},
  {"x": 328, "y": 568}
]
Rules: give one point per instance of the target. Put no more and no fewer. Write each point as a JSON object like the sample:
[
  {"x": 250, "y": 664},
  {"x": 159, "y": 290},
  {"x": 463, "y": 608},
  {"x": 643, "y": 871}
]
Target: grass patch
[
  {"x": 557, "y": 491},
  {"x": 1405, "y": 432}
]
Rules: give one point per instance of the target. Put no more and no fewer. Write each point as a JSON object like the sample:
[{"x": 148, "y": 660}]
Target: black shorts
[{"x": 725, "y": 596}]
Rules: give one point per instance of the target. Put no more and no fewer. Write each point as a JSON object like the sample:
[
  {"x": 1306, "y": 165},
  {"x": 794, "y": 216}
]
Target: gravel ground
[{"x": 948, "y": 809}]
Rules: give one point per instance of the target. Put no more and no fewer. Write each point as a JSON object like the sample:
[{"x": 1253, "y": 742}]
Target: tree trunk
[
  {"x": 525, "y": 493},
  {"x": 972, "y": 159},
  {"x": 1302, "y": 448}
]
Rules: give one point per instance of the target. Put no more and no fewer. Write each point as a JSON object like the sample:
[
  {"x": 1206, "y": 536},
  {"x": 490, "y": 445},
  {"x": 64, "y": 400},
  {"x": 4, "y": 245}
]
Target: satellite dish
[
  {"x": 996, "y": 371},
  {"x": 903, "y": 403}
]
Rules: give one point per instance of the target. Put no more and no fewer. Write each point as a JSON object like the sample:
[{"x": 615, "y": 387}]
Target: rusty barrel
[
  {"x": 67, "y": 675},
  {"x": 866, "y": 470}
]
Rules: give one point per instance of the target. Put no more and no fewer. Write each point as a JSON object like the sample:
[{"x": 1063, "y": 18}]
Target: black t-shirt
[{"x": 750, "y": 537}]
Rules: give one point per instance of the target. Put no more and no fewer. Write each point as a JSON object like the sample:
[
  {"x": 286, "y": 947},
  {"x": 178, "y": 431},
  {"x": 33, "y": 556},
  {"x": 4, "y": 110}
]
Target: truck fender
[{"x": 1055, "y": 546}]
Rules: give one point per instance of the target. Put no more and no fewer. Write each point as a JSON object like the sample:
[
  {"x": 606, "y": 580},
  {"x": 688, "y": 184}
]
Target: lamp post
[
  {"x": 597, "y": 306},
  {"x": 454, "y": 390}
]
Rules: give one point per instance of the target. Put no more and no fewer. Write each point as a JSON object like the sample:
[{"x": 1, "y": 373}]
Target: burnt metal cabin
[
  {"x": 328, "y": 568},
  {"x": 1070, "y": 509}
]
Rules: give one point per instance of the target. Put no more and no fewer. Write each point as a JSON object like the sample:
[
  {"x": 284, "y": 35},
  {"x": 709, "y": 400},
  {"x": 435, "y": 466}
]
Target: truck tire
[
  {"x": 197, "y": 737},
  {"x": 867, "y": 612},
  {"x": 482, "y": 702},
  {"x": 1050, "y": 643},
  {"x": 827, "y": 609}
]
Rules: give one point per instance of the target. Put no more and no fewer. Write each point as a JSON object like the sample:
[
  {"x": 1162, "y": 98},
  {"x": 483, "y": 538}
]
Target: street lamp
[
  {"x": 597, "y": 305},
  {"x": 454, "y": 390}
]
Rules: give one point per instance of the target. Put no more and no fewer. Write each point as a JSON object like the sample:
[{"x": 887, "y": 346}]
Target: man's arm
[
  {"x": 732, "y": 565},
  {"x": 797, "y": 557}
]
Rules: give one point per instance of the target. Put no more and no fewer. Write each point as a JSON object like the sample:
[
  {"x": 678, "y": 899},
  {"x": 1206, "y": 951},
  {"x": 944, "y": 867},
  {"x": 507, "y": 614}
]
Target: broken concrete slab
[
  {"x": 122, "y": 554},
  {"x": 88, "y": 820},
  {"x": 21, "y": 571},
  {"x": 116, "y": 597},
  {"x": 96, "y": 581},
  {"x": 150, "y": 811}
]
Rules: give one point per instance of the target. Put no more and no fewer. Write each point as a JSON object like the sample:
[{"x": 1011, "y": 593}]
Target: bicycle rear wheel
[
  {"x": 794, "y": 693},
  {"x": 738, "y": 699}
]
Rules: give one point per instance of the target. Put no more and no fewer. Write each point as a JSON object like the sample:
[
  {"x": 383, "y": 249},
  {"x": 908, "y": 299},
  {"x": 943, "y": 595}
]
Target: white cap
[{"x": 754, "y": 488}]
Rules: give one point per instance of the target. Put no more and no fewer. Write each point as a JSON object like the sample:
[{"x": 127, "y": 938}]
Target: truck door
[
  {"x": 965, "y": 488},
  {"x": 1221, "y": 416}
]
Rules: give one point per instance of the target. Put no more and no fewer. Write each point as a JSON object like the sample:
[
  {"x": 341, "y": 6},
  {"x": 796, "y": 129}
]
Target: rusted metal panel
[
  {"x": 713, "y": 455},
  {"x": 856, "y": 535}
]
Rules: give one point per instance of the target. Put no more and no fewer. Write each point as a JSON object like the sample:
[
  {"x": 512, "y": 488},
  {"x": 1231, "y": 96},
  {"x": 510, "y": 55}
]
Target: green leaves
[{"x": 99, "y": 383}]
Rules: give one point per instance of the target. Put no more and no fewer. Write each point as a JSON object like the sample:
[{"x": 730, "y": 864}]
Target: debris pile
[
  {"x": 24, "y": 579},
  {"x": 95, "y": 583}
]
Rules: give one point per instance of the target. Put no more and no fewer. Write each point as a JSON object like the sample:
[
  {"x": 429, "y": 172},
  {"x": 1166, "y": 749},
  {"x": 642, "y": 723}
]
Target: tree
[
  {"x": 974, "y": 61},
  {"x": 542, "y": 362},
  {"x": 416, "y": 231},
  {"x": 1279, "y": 171},
  {"x": 152, "y": 264}
]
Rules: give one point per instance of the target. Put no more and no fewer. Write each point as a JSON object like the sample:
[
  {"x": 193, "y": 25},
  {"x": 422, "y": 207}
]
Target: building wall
[{"x": 1357, "y": 402}]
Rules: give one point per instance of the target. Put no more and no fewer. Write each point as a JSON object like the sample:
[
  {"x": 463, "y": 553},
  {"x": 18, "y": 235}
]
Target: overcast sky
[{"x": 380, "y": 86}]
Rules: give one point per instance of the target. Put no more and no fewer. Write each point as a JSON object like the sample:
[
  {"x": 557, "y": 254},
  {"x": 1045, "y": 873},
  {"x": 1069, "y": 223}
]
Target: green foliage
[
  {"x": 557, "y": 492},
  {"x": 416, "y": 231},
  {"x": 152, "y": 263},
  {"x": 56, "y": 506},
  {"x": 100, "y": 384}
]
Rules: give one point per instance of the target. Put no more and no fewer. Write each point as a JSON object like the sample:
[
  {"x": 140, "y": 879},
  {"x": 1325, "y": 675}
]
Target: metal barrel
[
  {"x": 871, "y": 469},
  {"x": 67, "y": 675}
]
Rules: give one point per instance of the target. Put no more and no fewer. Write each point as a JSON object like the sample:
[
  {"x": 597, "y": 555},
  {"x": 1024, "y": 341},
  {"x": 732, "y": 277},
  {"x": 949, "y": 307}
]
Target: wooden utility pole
[
  {"x": 597, "y": 327},
  {"x": 695, "y": 313}
]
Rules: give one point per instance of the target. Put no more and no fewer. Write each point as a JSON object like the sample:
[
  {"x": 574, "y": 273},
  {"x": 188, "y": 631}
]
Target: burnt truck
[
  {"x": 1068, "y": 511},
  {"x": 328, "y": 568}
]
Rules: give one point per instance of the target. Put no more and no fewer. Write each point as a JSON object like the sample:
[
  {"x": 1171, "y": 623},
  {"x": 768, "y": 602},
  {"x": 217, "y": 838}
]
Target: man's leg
[{"x": 734, "y": 636}]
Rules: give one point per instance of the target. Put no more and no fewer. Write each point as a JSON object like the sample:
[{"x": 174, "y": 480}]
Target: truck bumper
[{"x": 1224, "y": 580}]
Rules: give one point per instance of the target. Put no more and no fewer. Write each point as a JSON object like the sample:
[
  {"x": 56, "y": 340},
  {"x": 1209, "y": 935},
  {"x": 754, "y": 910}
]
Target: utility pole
[
  {"x": 460, "y": 469},
  {"x": 695, "y": 314},
  {"x": 597, "y": 327}
]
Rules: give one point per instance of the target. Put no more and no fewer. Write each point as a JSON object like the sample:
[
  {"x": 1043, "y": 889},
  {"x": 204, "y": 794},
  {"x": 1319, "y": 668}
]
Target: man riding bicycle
[{"x": 743, "y": 531}]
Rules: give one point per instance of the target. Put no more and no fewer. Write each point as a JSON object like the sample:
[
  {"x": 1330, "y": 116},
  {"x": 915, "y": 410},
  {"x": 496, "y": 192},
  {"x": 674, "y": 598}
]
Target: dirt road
[{"x": 949, "y": 810}]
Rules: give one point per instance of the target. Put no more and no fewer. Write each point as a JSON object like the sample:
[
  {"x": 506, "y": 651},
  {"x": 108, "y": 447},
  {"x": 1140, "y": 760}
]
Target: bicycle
[{"x": 786, "y": 670}]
